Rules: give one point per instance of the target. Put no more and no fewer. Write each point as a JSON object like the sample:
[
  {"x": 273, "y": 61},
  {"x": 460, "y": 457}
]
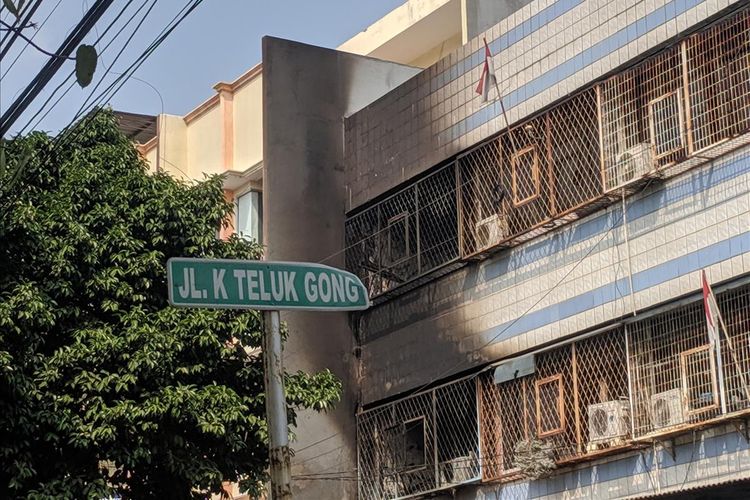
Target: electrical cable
[
  {"x": 67, "y": 47},
  {"x": 36, "y": 32},
  {"x": 72, "y": 72},
  {"x": 15, "y": 30},
  {"x": 65, "y": 135}
]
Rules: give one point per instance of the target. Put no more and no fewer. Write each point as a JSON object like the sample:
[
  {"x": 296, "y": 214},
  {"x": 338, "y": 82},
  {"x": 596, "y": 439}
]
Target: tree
[{"x": 105, "y": 388}]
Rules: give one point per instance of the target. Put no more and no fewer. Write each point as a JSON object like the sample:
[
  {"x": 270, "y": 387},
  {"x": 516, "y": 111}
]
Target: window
[
  {"x": 414, "y": 443},
  {"x": 405, "y": 446},
  {"x": 550, "y": 412},
  {"x": 525, "y": 175},
  {"x": 398, "y": 238},
  {"x": 665, "y": 116},
  {"x": 699, "y": 379},
  {"x": 248, "y": 216}
]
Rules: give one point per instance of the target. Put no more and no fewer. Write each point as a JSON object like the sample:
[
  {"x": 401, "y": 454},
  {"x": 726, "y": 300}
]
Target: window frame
[
  {"x": 424, "y": 464},
  {"x": 557, "y": 378},
  {"x": 684, "y": 379},
  {"x": 390, "y": 261},
  {"x": 678, "y": 95},
  {"x": 514, "y": 161},
  {"x": 259, "y": 213}
]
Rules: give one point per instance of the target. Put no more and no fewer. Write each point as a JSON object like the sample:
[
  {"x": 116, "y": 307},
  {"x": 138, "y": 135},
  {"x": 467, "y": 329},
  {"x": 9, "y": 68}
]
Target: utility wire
[
  {"x": 36, "y": 32},
  {"x": 67, "y": 135},
  {"x": 15, "y": 30},
  {"x": 53, "y": 65},
  {"x": 115, "y": 86},
  {"x": 72, "y": 73},
  {"x": 72, "y": 132}
]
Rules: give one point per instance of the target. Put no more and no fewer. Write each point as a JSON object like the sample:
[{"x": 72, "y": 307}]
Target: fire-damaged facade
[{"x": 541, "y": 323}]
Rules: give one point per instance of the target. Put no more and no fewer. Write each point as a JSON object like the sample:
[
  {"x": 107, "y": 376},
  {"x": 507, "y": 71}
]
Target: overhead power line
[
  {"x": 17, "y": 26},
  {"x": 73, "y": 130},
  {"x": 70, "y": 43},
  {"x": 36, "y": 32}
]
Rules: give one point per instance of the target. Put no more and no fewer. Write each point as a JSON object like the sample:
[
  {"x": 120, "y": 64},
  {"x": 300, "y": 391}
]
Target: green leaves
[
  {"x": 85, "y": 64},
  {"x": 94, "y": 365}
]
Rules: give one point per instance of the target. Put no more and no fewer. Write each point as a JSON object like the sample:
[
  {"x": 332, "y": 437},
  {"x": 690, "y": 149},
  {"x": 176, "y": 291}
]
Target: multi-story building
[
  {"x": 534, "y": 260},
  {"x": 225, "y": 134}
]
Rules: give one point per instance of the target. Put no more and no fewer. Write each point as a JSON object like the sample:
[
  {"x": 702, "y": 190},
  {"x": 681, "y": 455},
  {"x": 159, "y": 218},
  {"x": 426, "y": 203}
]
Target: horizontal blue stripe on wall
[
  {"x": 511, "y": 37},
  {"x": 517, "y": 266},
  {"x": 643, "y": 280},
  {"x": 570, "y": 67},
  {"x": 625, "y": 470}
]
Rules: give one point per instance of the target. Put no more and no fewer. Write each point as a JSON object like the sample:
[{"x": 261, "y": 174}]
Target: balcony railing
[
  {"x": 678, "y": 108},
  {"x": 423, "y": 443},
  {"x": 645, "y": 380}
]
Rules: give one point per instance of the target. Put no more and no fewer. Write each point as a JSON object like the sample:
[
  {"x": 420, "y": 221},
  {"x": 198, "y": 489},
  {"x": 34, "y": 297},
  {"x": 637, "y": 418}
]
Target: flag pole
[{"x": 499, "y": 97}]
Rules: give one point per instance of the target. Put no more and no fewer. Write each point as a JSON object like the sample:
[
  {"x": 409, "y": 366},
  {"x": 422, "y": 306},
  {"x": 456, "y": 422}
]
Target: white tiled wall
[
  {"x": 420, "y": 124},
  {"x": 466, "y": 318}
]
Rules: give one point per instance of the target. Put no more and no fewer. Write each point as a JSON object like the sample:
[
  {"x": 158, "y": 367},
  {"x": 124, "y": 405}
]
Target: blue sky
[{"x": 189, "y": 62}]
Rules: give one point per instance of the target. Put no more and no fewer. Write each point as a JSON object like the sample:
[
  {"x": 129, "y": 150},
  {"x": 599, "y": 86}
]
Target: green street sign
[{"x": 257, "y": 284}]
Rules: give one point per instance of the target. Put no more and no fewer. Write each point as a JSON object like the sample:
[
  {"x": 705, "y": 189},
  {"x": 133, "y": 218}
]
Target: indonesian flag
[
  {"x": 488, "y": 74},
  {"x": 711, "y": 309}
]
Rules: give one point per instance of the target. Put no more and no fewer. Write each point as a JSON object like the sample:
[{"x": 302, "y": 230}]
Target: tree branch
[{"x": 30, "y": 41}]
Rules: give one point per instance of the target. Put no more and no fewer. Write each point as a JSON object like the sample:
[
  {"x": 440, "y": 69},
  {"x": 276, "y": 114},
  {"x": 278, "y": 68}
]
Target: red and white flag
[
  {"x": 488, "y": 77},
  {"x": 711, "y": 309}
]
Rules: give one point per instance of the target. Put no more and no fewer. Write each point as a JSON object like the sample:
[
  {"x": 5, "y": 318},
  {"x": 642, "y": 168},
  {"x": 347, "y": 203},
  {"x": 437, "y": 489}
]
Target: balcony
[
  {"x": 643, "y": 380},
  {"x": 683, "y": 106}
]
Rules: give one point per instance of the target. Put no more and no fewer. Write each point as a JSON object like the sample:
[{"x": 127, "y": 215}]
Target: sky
[{"x": 219, "y": 41}]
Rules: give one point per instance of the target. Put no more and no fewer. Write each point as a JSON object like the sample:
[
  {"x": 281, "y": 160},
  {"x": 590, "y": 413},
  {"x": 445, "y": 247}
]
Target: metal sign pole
[
  {"x": 278, "y": 434},
  {"x": 270, "y": 287}
]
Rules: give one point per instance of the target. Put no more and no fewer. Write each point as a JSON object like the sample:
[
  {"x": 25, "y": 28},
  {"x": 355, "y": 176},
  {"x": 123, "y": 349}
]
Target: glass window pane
[{"x": 248, "y": 215}]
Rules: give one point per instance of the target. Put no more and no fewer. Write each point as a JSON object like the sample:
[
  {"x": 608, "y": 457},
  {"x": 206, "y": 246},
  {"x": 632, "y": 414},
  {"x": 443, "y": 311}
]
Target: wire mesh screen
[
  {"x": 419, "y": 444},
  {"x": 406, "y": 235},
  {"x": 656, "y": 119},
  {"x": 674, "y": 380},
  {"x": 642, "y": 119},
  {"x": 520, "y": 181},
  {"x": 575, "y": 402},
  {"x": 718, "y": 62},
  {"x": 602, "y": 392}
]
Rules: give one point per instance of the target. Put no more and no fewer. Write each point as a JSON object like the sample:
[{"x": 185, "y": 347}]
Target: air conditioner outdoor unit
[
  {"x": 630, "y": 166},
  {"x": 667, "y": 409},
  {"x": 608, "y": 421},
  {"x": 491, "y": 230}
]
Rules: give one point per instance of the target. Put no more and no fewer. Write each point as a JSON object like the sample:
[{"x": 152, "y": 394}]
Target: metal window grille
[
  {"x": 422, "y": 443},
  {"x": 406, "y": 235},
  {"x": 567, "y": 162},
  {"x": 576, "y": 400},
  {"x": 718, "y": 72},
  {"x": 517, "y": 185},
  {"x": 735, "y": 349},
  {"x": 642, "y": 119},
  {"x": 672, "y": 380}
]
